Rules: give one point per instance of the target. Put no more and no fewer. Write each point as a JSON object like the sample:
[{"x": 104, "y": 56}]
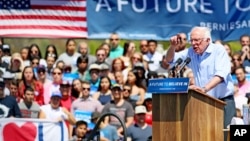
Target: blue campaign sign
[
  {"x": 161, "y": 19},
  {"x": 84, "y": 115},
  {"x": 168, "y": 85}
]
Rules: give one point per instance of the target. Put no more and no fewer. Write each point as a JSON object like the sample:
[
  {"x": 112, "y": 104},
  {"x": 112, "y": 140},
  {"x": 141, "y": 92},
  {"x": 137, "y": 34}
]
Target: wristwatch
[{"x": 205, "y": 89}]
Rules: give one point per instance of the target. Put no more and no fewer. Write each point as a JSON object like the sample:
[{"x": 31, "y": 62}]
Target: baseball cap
[
  {"x": 140, "y": 109},
  {"x": 104, "y": 66},
  {"x": 56, "y": 94},
  {"x": 116, "y": 86},
  {"x": 41, "y": 67},
  {"x": 94, "y": 67},
  {"x": 95, "y": 115},
  {"x": 65, "y": 83}
]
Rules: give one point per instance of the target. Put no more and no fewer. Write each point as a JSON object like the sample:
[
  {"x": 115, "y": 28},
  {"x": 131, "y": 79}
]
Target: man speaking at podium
[{"x": 211, "y": 67}]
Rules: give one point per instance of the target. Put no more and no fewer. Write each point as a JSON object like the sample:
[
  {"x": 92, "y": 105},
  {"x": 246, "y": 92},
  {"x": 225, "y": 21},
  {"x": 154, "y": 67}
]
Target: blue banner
[
  {"x": 168, "y": 85},
  {"x": 161, "y": 19}
]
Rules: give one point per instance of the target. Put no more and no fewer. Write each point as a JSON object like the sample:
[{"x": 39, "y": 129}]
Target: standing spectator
[
  {"x": 101, "y": 56},
  {"x": 126, "y": 95},
  {"x": 243, "y": 83},
  {"x": 153, "y": 57},
  {"x": 50, "y": 64},
  {"x": 55, "y": 85},
  {"x": 120, "y": 107},
  {"x": 139, "y": 131},
  {"x": 138, "y": 90},
  {"x": 149, "y": 106},
  {"x": 76, "y": 89},
  {"x": 53, "y": 111},
  {"x": 8, "y": 104},
  {"x": 82, "y": 67},
  {"x": 80, "y": 131},
  {"x": 103, "y": 93},
  {"x": 51, "y": 51},
  {"x": 70, "y": 56},
  {"x": 28, "y": 107},
  {"x": 119, "y": 65},
  {"x": 107, "y": 48},
  {"x": 116, "y": 50},
  {"x": 83, "y": 49},
  {"x": 34, "y": 51},
  {"x": 164, "y": 66},
  {"x": 7, "y": 78},
  {"x": 25, "y": 56},
  {"x": 183, "y": 44},
  {"x": 16, "y": 65},
  {"x": 94, "y": 71},
  {"x": 144, "y": 47},
  {"x": 29, "y": 79},
  {"x": 129, "y": 50},
  {"x": 86, "y": 102},
  {"x": 14, "y": 90},
  {"x": 66, "y": 100}
]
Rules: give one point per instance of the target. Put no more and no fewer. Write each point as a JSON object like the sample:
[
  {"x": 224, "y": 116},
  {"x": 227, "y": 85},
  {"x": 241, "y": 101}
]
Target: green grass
[{"x": 17, "y": 43}]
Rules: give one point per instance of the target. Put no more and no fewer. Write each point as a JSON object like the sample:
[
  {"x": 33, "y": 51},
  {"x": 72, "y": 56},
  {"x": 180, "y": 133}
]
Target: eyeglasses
[
  {"x": 195, "y": 41},
  {"x": 116, "y": 89},
  {"x": 41, "y": 71},
  {"x": 128, "y": 90},
  {"x": 112, "y": 39},
  {"x": 86, "y": 89},
  {"x": 58, "y": 73}
]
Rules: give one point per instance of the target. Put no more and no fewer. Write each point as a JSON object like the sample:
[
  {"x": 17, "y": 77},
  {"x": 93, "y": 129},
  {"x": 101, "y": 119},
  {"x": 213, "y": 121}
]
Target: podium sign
[{"x": 168, "y": 85}]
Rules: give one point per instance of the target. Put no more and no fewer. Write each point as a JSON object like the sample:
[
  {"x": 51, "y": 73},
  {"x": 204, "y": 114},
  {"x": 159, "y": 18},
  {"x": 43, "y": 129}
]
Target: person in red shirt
[
  {"x": 66, "y": 100},
  {"x": 29, "y": 79}
]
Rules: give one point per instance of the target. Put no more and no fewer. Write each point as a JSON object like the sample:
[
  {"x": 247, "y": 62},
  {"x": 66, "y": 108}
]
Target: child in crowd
[{"x": 80, "y": 131}]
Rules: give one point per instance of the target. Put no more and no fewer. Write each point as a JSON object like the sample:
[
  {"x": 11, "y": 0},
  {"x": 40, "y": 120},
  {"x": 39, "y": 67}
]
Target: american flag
[{"x": 43, "y": 18}]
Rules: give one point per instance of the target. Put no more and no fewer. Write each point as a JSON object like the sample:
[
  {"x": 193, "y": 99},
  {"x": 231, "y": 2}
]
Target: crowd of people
[{"x": 72, "y": 85}]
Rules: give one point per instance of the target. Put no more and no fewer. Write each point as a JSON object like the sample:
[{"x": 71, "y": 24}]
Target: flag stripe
[
  {"x": 44, "y": 22},
  {"x": 47, "y": 18},
  {"x": 44, "y": 12},
  {"x": 43, "y": 27},
  {"x": 58, "y": 7},
  {"x": 40, "y": 17},
  {"x": 79, "y": 3}
]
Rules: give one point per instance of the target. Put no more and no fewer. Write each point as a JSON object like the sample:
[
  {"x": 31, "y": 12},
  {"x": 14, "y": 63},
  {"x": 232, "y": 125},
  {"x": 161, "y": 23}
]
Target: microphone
[
  {"x": 186, "y": 62},
  {"x": 177, "y": 63}
]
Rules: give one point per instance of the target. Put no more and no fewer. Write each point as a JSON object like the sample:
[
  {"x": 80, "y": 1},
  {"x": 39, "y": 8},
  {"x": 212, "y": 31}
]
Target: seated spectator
[
  {"x": 139, "y": 68},
  {"x": 129, "y": 50},
  {"x": 103, "y": 93},
  {"x": 24, "y": 55},
  {"x": 50, "y": 59},
  {"x": 140, "y": 130},
  {"x": 80, "y": 131},
  {"x": 115, "y": 49},
  {"x": 120, "y": 107},
  {"x": 51, "y": 51},
  {"x": 16, "y": 64},
  {"x": 29, "y": 108},
  {"x": 84, "y": 50},
  {"x": 8, "y": 105}
]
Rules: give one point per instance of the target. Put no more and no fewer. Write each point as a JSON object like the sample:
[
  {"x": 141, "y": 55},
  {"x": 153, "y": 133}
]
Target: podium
[{"x": 191, "y": 116}]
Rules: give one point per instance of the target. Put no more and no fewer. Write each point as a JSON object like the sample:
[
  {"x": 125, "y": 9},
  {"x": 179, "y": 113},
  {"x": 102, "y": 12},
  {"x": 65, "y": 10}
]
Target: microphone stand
[{"x": 96, "y": 130}]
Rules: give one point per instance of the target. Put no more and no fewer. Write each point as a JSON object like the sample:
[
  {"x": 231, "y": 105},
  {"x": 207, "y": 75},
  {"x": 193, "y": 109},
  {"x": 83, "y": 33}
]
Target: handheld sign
[{"x": 168, "y": 85}]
